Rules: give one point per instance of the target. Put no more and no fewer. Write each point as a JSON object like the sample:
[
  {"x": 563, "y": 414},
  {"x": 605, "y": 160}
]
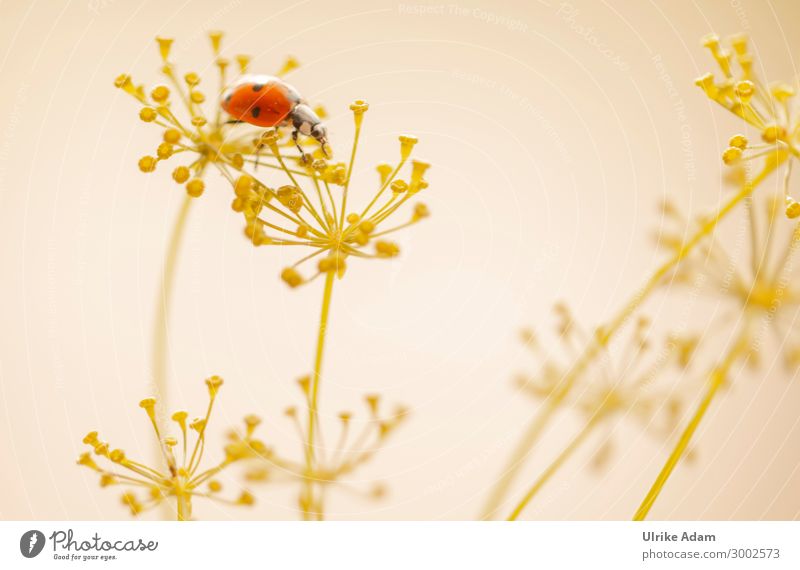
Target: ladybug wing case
[{"x": 260, "y": 100}]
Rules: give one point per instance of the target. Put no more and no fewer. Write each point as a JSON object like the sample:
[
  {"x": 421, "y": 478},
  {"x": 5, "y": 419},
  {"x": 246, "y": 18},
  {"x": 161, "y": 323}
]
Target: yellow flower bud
[
  {"x": 731, "y": 155},
  {"x": 160, "y": 94},
  {"x": 195, "y": 188},
  {"x": 147, "y": 163},
  {"x": 164, "y": 151},
  {"x": 148, "y": 114},
  {"x": 180, "y": 174},
  {"x": 172, "y": 136},
  {"x": 291, "y": 277}
]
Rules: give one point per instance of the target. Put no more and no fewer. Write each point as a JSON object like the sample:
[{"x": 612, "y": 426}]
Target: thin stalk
[
  {"x": 160, "y": 348},
  {"x": 184, "y": 507},
  {"x": 595, "y": 346},
  {"x": 559, "y": 461},
  {"x": 716, "y": 380},
  {"x": 517, "y": 460},
  {"x": 163, "y": 304},
  {"x": 313, "y": 399}
]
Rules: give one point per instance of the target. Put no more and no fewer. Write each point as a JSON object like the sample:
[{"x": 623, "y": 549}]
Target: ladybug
[{"x": 266, "y": 101}]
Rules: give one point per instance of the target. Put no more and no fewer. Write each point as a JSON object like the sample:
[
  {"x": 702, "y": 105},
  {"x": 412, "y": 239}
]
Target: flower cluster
[
  {"x": 332, "y": 464},
  {"x": 180, "y": 477},
  {"x": 317, "y": 216},
  {"x": 622, "y": 385},
  {"x": 205, "y": 135},
  {"x": 766, "y": 108},
  {"x": 760, "y": 284}
]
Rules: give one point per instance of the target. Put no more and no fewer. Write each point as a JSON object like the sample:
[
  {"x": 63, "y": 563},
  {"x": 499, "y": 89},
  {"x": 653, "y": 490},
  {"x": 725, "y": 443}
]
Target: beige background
[{"x": 549, "y": 155}]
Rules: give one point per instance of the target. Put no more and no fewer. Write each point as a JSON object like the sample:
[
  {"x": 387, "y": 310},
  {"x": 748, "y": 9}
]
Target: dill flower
[
  {"x": 759, "y": 284},
  {"x": 207, "y": 137},
  {"x": 180, "y": 476},
  {"x": 317, "y": 216},
  {"x": 765, "y": 107},
  {"x": 197, "y": 134},
  {"x": 353, "y": 448},
  {"x": 624, "y": 387}
]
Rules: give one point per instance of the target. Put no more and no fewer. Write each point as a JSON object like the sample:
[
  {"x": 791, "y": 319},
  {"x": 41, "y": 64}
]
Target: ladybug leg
[{"x": 297, "y": 144}]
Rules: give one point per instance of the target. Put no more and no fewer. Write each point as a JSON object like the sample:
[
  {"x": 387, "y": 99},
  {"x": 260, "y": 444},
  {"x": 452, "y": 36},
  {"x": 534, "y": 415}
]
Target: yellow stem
[
  {"x": 313, "y": 411},
  {"x": 184, "y": 506},
  {"x": 160, "y": 354},
  {"x": 160, "y": 336},
  {"x": 518, "y": 458},
  {"x": 553, "y": 468},
  {"x": 716, "y": 380}
]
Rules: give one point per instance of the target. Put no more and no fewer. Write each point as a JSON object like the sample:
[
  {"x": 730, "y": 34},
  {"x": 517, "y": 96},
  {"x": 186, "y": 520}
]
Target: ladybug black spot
[
  {"x": 258, "y": 86},
  {"x": 228, "y": 98},
  {"x": 256, "y": 111}
]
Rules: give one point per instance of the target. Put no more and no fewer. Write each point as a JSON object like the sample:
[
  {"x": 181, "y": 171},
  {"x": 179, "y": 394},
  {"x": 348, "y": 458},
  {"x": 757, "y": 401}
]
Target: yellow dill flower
[
  {"x": 765, "y": 107},
  {"x": 205, "y": 136},
  {"x": 196, "y": 133},
  {"x": 180, "y": 476},
  {"x": 760, "y": 283},
  {"x": 330, "y": 467},
  {"x": 623, "y": 387},
  {"x": 318, "y": 217}
]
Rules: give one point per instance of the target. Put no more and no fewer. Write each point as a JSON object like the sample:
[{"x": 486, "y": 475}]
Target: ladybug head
[
  {"x": 307, "y": 122},
  {"x": 320, "y": 132}
]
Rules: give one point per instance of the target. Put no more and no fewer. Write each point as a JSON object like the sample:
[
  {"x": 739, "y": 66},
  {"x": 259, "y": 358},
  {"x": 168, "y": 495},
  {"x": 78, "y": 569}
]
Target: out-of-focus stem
[
  {"x": 184, "y": 505},
  {"x": 605, "y": 333},
  {"x": 716, "y": 380},
  {"x": 557, "y": 463},
  {"x": 517, "y": 460},
  {"x": 163, "y": 305},
  {"x": 313, "y": 400},
  {"x": 160, "y": 348}
]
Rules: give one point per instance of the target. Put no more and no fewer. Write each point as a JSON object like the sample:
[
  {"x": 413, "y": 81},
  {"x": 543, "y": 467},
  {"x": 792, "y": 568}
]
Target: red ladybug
[{"x": 267, "y": 101}]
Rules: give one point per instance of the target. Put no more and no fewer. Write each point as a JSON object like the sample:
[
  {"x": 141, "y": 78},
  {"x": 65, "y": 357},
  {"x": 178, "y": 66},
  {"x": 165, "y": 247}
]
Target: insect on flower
[
  {"x": 318, "y": 217},
  {"x": 180, "y": 476},
  {"x": 204, "y": 134},
  {"x": 266, "y": 101}
]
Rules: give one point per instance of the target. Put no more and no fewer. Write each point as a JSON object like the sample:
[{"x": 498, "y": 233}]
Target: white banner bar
[{"x": 400, "y": 545}]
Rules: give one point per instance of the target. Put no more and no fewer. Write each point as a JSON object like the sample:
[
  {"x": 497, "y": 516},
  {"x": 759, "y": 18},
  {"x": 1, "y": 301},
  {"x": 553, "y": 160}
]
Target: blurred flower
[
  {"x": 205, "y": 136},
  {"x": 318, "y": 218},
  {"x": 760, "y": 281},
  {"x": 180, "y": 477},
  {"x": 619, "y": 386},
  {"x": 331, "y": 465}
]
